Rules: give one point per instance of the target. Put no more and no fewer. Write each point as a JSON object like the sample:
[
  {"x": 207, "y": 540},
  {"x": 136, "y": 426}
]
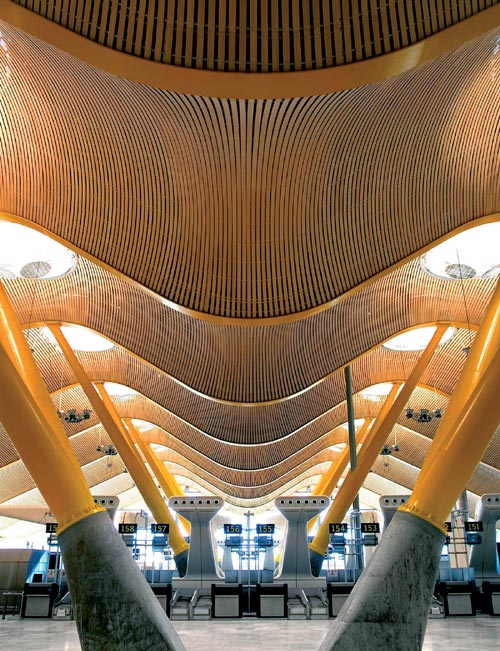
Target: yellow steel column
[
  {"x": 369, "y": 452},
  {"x": 30, "y": 418},
  {"x": 327, "y": 483},
  {"x": 435, "y": 493},
  {"x": 486, "y": 343},
  {"x": 161, "y": 473},
  {"x": 106, "y": 412},
  {"x": 329, "y": 480}
]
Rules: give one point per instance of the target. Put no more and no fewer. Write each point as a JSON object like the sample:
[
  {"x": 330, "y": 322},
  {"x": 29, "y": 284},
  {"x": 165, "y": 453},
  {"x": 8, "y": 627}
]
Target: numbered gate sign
[
  {"x": 337, "y": 527},
  {"x": 127, "y": 528},
  {"x": 160, "y": 527},
  {"x": 233, "y": 529}
]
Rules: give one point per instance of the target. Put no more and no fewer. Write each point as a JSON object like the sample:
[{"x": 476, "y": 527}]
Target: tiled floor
[{"x": 457, "y": 634}]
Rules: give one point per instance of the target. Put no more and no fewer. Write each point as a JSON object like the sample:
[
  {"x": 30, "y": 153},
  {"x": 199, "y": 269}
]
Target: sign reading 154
[{"x": 337, "y": 527}]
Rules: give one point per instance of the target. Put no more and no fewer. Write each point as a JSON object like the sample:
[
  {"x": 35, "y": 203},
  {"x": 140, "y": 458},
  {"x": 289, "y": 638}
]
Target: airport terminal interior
[{"x": 249, "y": 325}]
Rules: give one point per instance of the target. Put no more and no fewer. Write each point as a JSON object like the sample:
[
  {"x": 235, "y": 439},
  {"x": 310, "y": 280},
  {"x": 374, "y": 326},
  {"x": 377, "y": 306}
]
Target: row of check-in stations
[{"x": 212, "y": 589}]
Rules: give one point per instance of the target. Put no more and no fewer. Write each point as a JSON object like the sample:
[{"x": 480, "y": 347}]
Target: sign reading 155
[
  {"x": 265, "y": 528},
  {"x": 127, "y": 528}
]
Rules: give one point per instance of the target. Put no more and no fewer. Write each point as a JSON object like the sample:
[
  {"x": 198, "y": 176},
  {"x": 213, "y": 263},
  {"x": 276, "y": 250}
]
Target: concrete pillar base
[
  {"x": 115, "y": 608},
  {"x": 389, "y": 605}
]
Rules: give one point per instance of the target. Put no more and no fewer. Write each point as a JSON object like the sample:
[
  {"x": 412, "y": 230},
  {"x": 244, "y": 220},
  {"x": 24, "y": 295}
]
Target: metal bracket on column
[
  {"x": 484, "y": 557},
  {"x": 108, "y": 502},
  {"x": 389, "y": 504},
  {"x": 201, "y": 566},
  {"x": 296, "y": 567}
]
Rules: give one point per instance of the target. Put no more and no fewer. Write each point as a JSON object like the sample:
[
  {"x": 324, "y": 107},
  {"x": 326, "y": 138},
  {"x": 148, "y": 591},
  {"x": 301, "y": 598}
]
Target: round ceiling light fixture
[
  {"x": 417, "y": 338},
  {"x": 27, "y": 253},
  {"x": 471, "y": 254},
  {"x": 81, "y": 339}
]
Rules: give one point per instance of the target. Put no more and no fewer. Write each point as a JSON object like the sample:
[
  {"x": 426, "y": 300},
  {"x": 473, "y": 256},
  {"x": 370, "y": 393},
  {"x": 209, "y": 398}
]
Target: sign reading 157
[{"x": 160, "y": 527}]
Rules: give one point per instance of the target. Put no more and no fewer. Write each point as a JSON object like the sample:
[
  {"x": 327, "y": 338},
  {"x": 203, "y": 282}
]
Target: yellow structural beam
[
  {"x": 435, "y": 493},
  {"x": 107, "y": 414},
  {"x": 165, "y": 479},
  {"x": 485, "y": 345},
  {"x": 369, "y": 452},
  {"x": 30, "y": 418},
  {"x": 330, "y": 479},
  {"x": 327, "y": 483},
  {"x": 434, "y": 504}
]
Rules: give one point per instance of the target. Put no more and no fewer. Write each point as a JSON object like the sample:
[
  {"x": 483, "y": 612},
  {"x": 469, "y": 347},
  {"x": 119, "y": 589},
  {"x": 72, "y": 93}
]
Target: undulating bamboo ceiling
[{"x": 241, "y": 252}]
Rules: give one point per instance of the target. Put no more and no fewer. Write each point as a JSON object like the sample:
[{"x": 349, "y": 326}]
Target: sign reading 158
[{"x": 127, "y": 527}]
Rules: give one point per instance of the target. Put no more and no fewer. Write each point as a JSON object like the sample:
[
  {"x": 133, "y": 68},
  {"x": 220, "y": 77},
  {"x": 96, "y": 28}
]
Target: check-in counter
[
  {"x": 38, "y": 599},
  {"x": 227, "y": 600},
  {"x": 337, "y": 594},
  {"x": 458, "y": 598},
  {"x": 491, "y": 597},
  {"x": 272, "y": 599}
]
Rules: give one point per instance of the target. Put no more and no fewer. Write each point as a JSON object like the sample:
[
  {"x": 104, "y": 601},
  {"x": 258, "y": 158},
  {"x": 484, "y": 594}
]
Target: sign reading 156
[{"x": 233, "y": 528}]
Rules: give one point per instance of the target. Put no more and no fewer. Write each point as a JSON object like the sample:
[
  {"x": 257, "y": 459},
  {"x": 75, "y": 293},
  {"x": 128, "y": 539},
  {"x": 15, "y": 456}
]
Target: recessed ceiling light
[
  {"x": 81, "y": 339},
  {"x": 27, "y": 253},
  {"x": 417, "y": 339},
  {"x": 471, "y": 254},
  {"x": 377, "y": 392},
  {"x": 119, "y": 392}
]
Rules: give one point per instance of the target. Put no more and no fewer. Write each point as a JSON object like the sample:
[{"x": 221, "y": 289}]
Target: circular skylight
[
  {"x": 82, "y": 339},
  {"x": 142, "y": 425},
  {"x": 119, "y": 391},
  {"x": 377, "y": 392},
  {"x": 471, "y": 254},
  {"x": 417, "y": 339},
  {"x": 27, "y": 253}
]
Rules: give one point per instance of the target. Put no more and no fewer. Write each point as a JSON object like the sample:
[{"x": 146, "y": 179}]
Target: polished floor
[{"x": 457, "y": 634}]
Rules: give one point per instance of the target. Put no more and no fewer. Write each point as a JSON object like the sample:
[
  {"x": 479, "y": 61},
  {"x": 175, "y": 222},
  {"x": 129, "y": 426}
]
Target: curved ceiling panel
[
  {"x": 248, "y": 209},
  {"x": 258, "y": 36}
]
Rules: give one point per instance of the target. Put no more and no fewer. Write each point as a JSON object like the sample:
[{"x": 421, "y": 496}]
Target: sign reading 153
[{"x": 370, "y": 527}]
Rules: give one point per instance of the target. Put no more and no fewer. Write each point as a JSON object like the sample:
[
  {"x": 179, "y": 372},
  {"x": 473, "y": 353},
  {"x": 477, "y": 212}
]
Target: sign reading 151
[{"x": 127, "y": 527}]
